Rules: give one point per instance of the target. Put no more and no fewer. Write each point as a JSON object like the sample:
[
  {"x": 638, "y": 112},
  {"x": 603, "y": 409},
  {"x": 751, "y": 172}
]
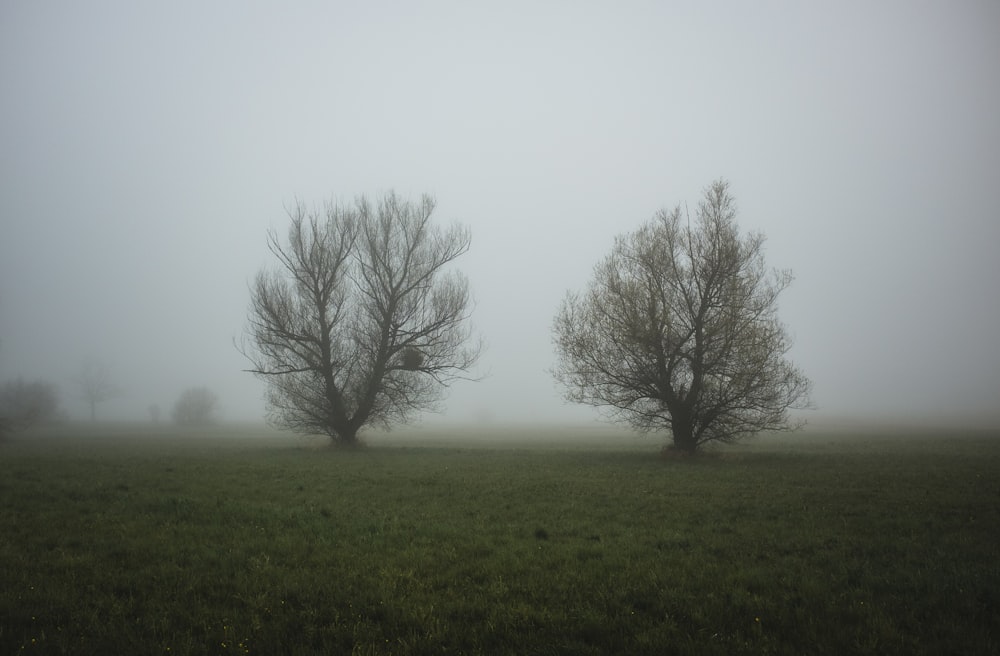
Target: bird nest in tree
[{"x": 412, "y": 359}]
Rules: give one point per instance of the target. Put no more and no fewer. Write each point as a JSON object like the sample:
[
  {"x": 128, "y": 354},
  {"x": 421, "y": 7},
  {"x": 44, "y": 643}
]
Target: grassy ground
[{"x": 578, "y": 543}]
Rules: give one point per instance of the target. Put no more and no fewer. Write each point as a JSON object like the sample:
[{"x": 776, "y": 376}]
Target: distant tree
[
  {"x": 154, "y": 413},
  {"x": 195, "y": 406},
  {"x": 678, "y": 331},
  {"x": 362, "y": 324},
  {"x": 95, "y": 385},
  {"x": 24, "y": 404}
]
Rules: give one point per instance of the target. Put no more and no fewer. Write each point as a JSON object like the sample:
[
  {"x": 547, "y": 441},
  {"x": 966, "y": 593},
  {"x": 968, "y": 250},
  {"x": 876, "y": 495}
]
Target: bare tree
[
  {"x": 363, "y": 324},
  {"x": 95, "y": 385},
  {"x": 196, "y": 405},
  {"x": 678, "y": 331}
]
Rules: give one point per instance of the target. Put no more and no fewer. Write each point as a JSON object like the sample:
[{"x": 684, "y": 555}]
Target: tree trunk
[
  {"x": 685, "y": 442},
  {"x": 682, "y": 427},
  {"x": 346, "y": 438}
]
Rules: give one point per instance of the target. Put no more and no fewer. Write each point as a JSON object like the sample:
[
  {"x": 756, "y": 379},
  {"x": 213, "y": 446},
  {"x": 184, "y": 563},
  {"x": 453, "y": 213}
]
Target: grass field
[{"x": 576, "y": 542}]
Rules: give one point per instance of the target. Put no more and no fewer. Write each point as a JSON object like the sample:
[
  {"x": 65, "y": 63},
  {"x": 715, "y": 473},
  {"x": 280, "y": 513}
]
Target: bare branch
[{"x": 95, "y": 385}]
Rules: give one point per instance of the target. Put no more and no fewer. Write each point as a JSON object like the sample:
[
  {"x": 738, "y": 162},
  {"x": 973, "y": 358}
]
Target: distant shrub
[
  {"x": 24, "y": 404},
  {"x": 196, "y": 405}
]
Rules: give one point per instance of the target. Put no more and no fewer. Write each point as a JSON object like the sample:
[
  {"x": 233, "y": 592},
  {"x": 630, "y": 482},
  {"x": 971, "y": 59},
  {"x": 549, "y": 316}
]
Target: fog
[{"x": 147, "y": 149}]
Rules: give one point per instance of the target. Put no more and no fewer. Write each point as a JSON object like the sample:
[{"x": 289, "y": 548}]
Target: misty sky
[{"x": 146, "y": 149}]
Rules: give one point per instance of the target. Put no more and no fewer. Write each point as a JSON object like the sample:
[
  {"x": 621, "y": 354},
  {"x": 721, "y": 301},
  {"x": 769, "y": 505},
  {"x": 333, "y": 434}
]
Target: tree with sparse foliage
[
  {"x": 95, "y": 385},
  {"x": 678, "y": 331},
  {"x": 363, "y": 323},
  {"x": 24, "y": 404},
  {"x": 196, "y": 406}
]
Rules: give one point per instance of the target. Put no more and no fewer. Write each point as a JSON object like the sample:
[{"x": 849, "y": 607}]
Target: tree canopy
[
  {"x": 678, "y": 331},
  {"x": 24, "y": 404},
  {"x": 195, "y": 406},
  {"x": 363, "y": 323}
]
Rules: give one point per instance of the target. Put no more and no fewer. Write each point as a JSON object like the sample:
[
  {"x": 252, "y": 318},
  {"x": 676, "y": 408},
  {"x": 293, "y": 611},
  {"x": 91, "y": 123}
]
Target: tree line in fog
[{"x": 364, "y": 321}]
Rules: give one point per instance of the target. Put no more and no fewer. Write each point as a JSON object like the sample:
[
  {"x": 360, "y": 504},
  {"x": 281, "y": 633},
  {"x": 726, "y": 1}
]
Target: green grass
[{"x": 221, "y": 544}]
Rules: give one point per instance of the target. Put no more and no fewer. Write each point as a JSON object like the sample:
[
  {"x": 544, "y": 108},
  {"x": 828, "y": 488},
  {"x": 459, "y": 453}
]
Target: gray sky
[{"x": 146, "y": 148}]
